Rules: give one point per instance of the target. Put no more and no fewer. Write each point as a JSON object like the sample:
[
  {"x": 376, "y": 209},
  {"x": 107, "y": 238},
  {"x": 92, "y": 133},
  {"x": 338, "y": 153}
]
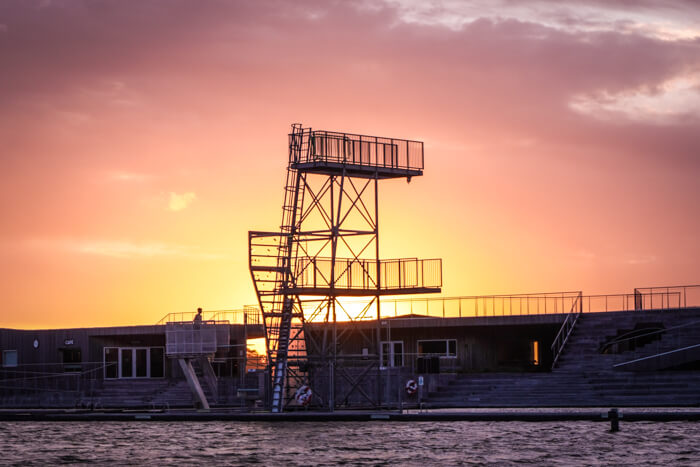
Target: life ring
[
  {"x": 303, "y": 395},
  {"x": 411, "y": 387}
]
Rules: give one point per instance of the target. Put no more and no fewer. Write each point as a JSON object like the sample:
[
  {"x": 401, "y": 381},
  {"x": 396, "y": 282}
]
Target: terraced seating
[{"x": 585, "y": 377}]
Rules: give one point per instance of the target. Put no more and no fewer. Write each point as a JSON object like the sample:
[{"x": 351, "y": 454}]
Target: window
[
  {"x": 391, "y": 354},
  {"x": 157, "y": 364},
  {"x": 438, "y": 348},
  {"x": 111, "y": 362},
  {"x": 134, "y": 362},
  {"x": 72, "y": 359},
  {"x": 141, "y": 363},
  {"x": 126, "y": 363},
  {"x": 9, "y": 358}
]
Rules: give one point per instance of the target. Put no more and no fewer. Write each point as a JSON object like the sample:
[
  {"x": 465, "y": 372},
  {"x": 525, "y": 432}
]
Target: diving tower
[{"x": 327, "y": 248}]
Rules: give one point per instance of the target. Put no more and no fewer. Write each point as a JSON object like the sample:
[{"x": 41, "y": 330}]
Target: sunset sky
[{"x": 142, "y": 140}]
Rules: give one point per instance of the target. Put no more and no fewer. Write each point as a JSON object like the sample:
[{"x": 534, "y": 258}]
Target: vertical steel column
[
  {"x": 379, "y": 287},
  {"x": 333, "y": 299}
]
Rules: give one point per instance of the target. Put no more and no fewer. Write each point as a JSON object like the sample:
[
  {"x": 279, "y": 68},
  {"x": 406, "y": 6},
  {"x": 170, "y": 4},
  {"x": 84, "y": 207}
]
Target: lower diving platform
[{"x": 366, "y": 277}]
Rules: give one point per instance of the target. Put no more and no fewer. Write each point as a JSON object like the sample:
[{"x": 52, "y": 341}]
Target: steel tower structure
[{"x": 327, "y": 248}]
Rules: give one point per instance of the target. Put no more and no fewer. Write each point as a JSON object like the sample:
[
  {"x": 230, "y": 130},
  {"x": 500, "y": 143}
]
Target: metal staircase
[{"x": 272, "y": 256}]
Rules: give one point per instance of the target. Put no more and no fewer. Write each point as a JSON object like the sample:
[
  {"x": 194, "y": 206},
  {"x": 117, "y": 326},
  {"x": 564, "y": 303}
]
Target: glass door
[
  {"x": 111, "y": 362},
  {"x": 134, "y": 362},
  {"x": 141, "y": 363},
  {"x": 126, "y": 363}
]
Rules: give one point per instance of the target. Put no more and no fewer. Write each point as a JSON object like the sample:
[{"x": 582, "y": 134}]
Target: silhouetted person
[{"x": 198, "y": 318}]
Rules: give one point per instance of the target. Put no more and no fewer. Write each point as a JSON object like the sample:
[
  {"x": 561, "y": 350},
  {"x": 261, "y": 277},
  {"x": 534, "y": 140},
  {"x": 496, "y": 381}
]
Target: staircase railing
[
  {"x": 649, "y": 333},
  {"x": 566, "y": 329},
  {"x": 657, "y": 356}
]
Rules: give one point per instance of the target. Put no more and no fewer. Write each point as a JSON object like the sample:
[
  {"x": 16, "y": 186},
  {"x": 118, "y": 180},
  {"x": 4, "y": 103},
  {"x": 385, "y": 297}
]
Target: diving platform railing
[
  {"x": 359, "y": 155},
  {"x": 359, "y": 277}
]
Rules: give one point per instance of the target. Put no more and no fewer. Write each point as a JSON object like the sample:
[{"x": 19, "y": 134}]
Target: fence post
[{"x": 422, "y": 273}]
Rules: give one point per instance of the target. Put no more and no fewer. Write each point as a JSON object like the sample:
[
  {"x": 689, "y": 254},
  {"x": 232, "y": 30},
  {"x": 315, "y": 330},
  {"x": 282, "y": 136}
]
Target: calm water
[{"x": 352, "y": 443}]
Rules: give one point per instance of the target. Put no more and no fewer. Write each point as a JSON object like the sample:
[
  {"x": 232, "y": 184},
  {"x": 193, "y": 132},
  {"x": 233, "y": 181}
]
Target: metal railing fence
[
  {"x": 249, "y": 314},
  {"x": 688, "y": 295},
  {"x": 628, "y": 302},
  {"x": 361, "y": 274},
  {"x": 482, "y": 305},
  {"x": 529, "y": 304},
  {"x": 650, "y": 298},
  {"x": 363, "y": 150}
]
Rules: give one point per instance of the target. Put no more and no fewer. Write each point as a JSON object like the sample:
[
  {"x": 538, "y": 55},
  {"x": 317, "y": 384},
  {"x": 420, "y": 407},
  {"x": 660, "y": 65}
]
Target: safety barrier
[{"x": 349, "y": 273}]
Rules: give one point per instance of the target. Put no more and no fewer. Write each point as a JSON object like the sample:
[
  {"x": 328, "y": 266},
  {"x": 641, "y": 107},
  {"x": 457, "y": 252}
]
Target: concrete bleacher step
[
  {"x": 585, "y": 377},
  {"x": 158, "y": 393}
]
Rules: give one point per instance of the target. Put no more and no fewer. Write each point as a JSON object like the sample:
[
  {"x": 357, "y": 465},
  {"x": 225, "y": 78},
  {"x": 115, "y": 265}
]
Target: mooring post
[{"x": 614, "y": 416}]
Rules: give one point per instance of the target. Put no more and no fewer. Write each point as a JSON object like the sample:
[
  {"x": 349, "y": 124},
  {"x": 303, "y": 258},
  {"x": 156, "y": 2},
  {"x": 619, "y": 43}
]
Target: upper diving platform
[{"x": 335, "y": 153}]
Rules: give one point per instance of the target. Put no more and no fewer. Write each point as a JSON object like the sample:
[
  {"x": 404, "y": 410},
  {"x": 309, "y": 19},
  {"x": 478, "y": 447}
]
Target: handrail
[
  {"x": 566, "y": 329},
  {"x": 650, "y": 333},
  {"x": 630, "y": 335},
  {"x": 661, "y": 354},
  {"x": 249, "y": 314}
]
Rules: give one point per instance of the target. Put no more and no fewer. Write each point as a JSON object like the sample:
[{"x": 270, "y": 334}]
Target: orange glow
[
  {"x": 137, "y": 154},
  {"x": 535, "y": 352},
  {"x": 257, "y": 345}
]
